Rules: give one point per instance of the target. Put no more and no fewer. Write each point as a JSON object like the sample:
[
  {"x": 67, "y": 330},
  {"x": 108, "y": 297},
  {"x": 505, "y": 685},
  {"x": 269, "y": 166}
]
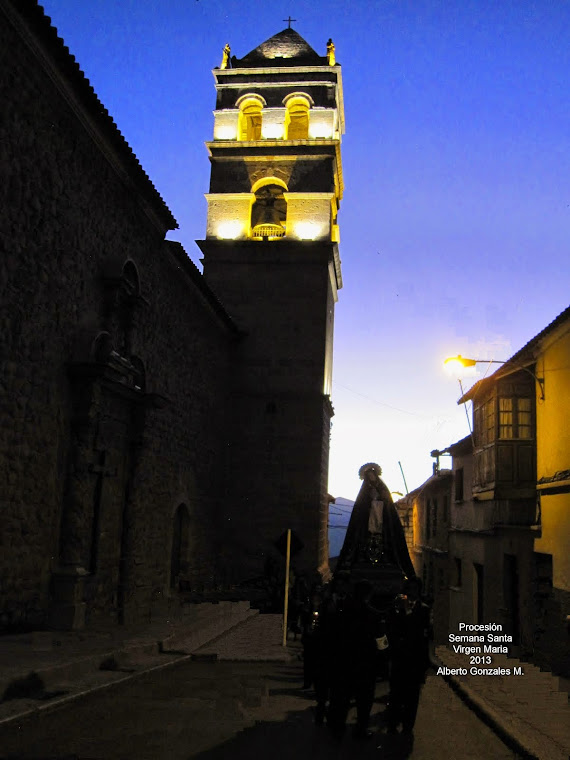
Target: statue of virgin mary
[{"x": 375, "y": 536}]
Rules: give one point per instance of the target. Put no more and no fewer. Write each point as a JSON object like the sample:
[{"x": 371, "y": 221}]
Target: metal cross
[{"x": 289, "y": 20}]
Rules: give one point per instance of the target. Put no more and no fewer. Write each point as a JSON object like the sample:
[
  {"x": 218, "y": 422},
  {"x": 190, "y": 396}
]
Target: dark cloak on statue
[{"x": 363, "y": 545}]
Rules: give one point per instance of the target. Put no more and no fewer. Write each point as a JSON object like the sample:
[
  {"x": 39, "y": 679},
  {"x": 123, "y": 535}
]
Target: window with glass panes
[
  {"x": 515, "y": 418},
  {"x": 485, "y": 422},
  {"x": 489, "y": 421},
  {"x": 506, "y": 418},
  {"x": 524, "y": 420}
]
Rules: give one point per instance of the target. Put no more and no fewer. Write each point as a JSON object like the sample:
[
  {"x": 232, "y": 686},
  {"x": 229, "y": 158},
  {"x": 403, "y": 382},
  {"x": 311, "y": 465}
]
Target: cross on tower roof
[{"x": 288, "y": 20}]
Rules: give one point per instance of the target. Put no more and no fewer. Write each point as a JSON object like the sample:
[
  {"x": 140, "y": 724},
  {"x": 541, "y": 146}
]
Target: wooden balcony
[
  {"x": 519, "y": 512},
  {"x": 505, "y": 470}
]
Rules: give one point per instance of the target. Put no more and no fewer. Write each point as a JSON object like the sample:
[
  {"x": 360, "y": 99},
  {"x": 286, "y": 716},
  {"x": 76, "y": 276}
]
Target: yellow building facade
[
  {"x": 552, "y": 548},
  {"x": 518, "y": 516}
]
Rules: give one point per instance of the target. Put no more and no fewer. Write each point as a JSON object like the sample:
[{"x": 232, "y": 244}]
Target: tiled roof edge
[{"x": 178, "y": 252}]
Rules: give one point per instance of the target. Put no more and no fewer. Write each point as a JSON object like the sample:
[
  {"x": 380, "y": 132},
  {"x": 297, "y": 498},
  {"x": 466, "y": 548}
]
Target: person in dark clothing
[
  {"x": 311, "y": 637},
  {"x": 299, "y": 599},
  {"x": 355, "y": 629},
  {"x": 323, "y": 645},
  {"x": 375, "y": 535},
  {"x": 409, "y": 631}
]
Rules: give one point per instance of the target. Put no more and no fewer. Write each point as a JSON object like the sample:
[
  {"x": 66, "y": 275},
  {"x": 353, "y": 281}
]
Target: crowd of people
[
  {"x": 369, "y": 623},
  {"x": 349, "y": 644}
]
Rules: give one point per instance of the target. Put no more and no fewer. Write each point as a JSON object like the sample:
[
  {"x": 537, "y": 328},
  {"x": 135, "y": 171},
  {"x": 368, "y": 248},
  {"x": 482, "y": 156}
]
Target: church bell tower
[{"x": 271, "y": 256}]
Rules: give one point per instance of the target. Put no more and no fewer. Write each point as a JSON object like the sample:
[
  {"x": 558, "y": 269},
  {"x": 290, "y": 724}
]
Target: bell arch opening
[
  {"x": 297, "y": 116},
  {"x": 268, "y": 212},
  {"x": 250, "y": 118}
]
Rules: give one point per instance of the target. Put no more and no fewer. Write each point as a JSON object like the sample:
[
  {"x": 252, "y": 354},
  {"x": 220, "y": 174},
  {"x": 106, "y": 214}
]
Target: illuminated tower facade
[{"x": 271, "y": 256}]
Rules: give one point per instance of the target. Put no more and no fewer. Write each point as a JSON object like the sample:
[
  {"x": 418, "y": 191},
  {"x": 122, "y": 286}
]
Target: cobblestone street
[{"x": 218, "y": 710}]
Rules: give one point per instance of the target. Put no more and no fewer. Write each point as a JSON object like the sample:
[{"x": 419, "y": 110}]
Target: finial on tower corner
[
  {"x": 225, "y": 57},
  {"x": 330, "y": 53}
]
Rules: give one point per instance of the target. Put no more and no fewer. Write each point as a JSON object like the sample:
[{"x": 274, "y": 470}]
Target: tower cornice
[
  {"x": 249, "y": 72},
  {"x": 274, "y": 150},
  {"x": 284, "y": 147}
]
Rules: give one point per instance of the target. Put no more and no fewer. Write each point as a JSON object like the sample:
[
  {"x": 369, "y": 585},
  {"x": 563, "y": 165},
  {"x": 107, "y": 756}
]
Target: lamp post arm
[
  {"x": 471, "y": 362},
  {"x": 539, "y": 380}
]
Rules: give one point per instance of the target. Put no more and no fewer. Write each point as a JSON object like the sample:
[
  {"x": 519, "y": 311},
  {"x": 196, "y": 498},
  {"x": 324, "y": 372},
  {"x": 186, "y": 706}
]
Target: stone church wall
[{"x": 72, "y": 217}]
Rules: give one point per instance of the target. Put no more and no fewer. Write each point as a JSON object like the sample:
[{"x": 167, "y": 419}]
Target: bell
[{"x": 268, "y": 216}]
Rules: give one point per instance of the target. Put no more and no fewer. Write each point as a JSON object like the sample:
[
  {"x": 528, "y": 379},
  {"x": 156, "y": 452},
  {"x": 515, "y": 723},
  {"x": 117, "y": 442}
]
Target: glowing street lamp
[
  {"x": 455, "y": 363},
  {"x": 459, "y": 362}
]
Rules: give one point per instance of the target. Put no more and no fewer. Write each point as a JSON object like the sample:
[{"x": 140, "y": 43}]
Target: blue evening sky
[{"x": 456, "y": 216}]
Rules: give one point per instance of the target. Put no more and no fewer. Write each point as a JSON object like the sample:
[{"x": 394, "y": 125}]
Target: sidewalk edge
[{"x": 487, "y": 714}]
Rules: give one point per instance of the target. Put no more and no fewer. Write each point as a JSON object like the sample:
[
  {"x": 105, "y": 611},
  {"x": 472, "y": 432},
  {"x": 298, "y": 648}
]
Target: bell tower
[{"x": 271, "y": 256}]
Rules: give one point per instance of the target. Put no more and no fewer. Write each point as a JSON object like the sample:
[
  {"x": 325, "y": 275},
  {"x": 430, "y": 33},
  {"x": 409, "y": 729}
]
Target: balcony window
[
  {"x": 515, "y": 418},
  {"x": 488, "y": 422},
  {"x": 525, "y": 418},
  {"x": 506, "y": 418},
  {"x": 485, "y": 422}
]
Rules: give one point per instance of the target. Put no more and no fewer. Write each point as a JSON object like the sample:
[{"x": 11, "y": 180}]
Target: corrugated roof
[
  {"x": 41, "y": 26},
  {"x": 286, "y": 48},
  {"x": 523, "y": 358}
]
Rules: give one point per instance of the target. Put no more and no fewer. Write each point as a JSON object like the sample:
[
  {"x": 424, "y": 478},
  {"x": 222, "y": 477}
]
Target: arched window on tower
[
  {"x": 297, "y": 118},
  {"x": 130, "y": 279},
  {"x": 249, "y": 127},
  {"x": 268, "y": 213},
  {"x": 298, "y": 122}
]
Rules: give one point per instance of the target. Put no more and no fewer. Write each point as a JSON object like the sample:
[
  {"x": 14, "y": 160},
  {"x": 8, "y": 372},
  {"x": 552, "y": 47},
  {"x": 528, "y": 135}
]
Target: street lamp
[{"x": 457, "y": 362}]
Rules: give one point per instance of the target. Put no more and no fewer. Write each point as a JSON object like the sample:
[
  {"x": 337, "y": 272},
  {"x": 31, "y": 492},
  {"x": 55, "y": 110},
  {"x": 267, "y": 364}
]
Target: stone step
[
  {"x": 196, "y": 635},
  {"x": 89, "y": 650}
]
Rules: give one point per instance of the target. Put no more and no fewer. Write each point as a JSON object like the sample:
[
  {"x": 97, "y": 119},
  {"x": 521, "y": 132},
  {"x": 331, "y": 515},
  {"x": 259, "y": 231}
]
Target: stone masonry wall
[
  {"x": 68, "y": 218},
  {"x": 280, "y": 443}
]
